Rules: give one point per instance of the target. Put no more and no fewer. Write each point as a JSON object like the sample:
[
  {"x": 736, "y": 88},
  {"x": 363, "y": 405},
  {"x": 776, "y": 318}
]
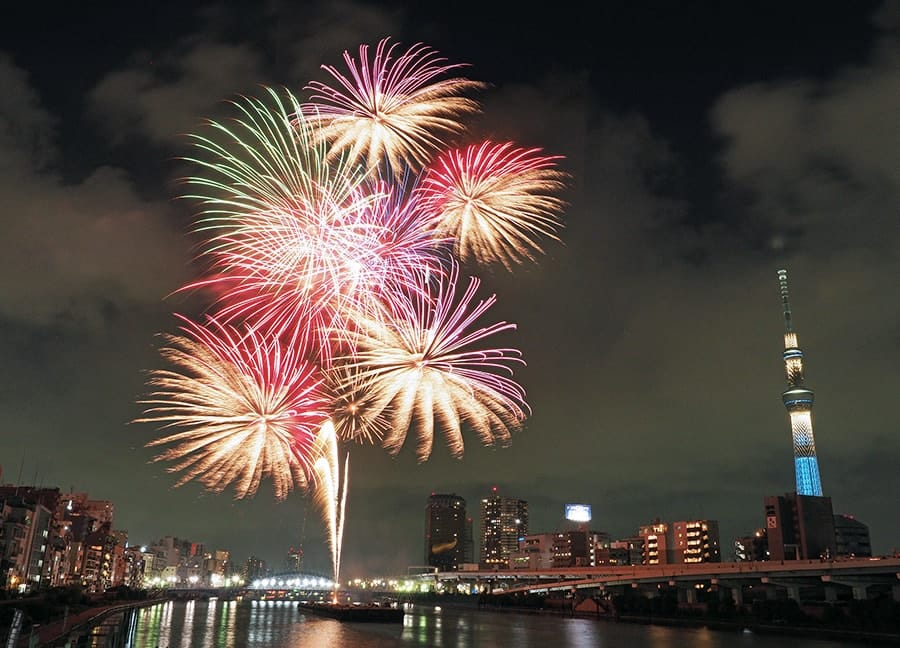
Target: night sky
[{"x": 709, "y": 144}]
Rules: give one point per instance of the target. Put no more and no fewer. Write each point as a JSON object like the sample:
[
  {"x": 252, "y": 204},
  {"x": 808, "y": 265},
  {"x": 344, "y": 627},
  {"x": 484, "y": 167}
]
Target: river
[{"x": 271, "y": 624}]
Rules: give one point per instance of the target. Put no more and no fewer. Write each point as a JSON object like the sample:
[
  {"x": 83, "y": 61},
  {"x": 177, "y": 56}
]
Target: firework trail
[
  {"x": 243, "y": 407},
  {"x": 391, "y": 107},
  {"x": 331, "y": 492},
  {"x": 494, "y": 200},
  {"x": 420, "y": 369}
]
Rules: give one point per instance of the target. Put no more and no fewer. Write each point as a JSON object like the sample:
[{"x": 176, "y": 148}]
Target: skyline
[{"x": 651, "y": 332}]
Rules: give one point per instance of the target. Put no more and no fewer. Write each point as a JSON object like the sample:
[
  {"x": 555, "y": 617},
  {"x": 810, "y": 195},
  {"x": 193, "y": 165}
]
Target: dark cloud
[
  {"x": 72, "y": 248},
  {"x": 26, "y": 128},
  {"x": 163, "y": 96},
  {"x": 820, "y": 157}
]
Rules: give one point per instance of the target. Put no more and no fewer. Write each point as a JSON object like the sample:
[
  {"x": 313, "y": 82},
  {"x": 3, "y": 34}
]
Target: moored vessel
[{"x": 361, "y": 612}]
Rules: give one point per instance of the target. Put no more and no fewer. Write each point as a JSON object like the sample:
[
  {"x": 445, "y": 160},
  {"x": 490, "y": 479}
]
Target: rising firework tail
[{"x": 330, "y": 490}]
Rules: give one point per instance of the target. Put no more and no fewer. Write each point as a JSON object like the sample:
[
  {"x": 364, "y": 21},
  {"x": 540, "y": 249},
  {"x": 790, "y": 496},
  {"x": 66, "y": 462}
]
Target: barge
[{"x": 362, "y": 613}]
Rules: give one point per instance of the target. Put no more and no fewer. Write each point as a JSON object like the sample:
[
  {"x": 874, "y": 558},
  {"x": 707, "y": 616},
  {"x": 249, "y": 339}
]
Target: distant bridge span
[{"x": 858, "y": 574}]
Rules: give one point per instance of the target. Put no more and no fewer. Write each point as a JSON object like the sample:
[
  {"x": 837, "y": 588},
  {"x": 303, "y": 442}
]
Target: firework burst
[
  {"x": 242, "y": 407},
  {"x": 333, "y": 261},
  {"x": 292, "y": 239},
  {"x": 395, "y": 244},
  {"x": 420, "y": 367},
  {"x": 495, "y": 200},
  {"x": 279, "y": 224},
  {"x": 390, "y": 107}
]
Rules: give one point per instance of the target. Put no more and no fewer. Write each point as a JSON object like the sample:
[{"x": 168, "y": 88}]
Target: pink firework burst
[
  {"x": 391, "y": 107},
  {"x": 280, "y": 224},
  {"x": 237, "y": 407},
  {"x": 422, "y": 364},
  {"x": 396, "y": 244},
  {"x": 494, "y": 200}
]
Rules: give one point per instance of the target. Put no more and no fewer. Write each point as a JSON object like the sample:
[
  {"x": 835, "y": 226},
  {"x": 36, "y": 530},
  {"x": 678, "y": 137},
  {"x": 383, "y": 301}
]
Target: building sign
[{"x": 578, "y": 512}]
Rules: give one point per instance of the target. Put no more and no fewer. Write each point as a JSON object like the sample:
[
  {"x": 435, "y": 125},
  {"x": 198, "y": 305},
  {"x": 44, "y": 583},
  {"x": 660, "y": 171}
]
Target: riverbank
[{"x": 57, "y": 631}]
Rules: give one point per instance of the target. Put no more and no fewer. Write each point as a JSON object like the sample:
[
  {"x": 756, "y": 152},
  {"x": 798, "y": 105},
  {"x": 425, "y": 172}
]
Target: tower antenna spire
[{"x": 782, "y": 282}]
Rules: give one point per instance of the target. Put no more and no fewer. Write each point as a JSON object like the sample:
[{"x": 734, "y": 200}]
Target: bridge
[
  {"x": 800, "y": 580},
  {"x": 859, "y": 577},
  {"x": 287, "y": 585},
  {"x": 293, "y": 581}
]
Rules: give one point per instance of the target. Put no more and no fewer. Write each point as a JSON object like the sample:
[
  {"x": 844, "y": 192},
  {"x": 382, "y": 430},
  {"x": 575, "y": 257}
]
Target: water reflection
[
  {"x": 187, "y": 637},
  {"x": 270, "y": 624},
  {"x": 579, "y": 633}
]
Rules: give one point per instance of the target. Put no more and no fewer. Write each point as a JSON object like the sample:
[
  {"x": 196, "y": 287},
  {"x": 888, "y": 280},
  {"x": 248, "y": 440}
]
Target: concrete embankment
[{"x": 57, "y": 632}]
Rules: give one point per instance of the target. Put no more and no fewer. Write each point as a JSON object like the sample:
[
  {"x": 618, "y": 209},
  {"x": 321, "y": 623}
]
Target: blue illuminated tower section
[{"x": 798, "y": 400}]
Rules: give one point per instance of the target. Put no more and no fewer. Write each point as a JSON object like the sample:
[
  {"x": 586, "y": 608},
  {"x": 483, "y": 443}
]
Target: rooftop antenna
[
  {"x": 782, "y": 281},
  {"x": 21, "y": 466}
]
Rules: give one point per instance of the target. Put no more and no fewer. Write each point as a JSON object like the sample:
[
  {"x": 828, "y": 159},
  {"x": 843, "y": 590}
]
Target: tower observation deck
[{"x": 798, "y": 400}]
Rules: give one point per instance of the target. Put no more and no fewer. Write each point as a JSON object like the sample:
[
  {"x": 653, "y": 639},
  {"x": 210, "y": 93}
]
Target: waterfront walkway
[{"x": 56, "y": 632}]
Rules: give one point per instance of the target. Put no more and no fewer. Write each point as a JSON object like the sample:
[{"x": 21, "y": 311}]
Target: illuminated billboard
[{"x": 578, "y": 512}]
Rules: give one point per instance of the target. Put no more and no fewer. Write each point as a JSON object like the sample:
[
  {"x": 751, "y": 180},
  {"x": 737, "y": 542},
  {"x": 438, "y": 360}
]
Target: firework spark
[
  {"x": 494, "y": 200},
  {"x": 420, "y": 366},
  {"x": 244, "y": 406},
  {"x": 390, "y": 108}
]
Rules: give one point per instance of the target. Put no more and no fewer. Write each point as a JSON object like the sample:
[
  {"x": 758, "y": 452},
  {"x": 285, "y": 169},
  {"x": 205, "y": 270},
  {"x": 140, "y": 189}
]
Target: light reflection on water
[{"x": 273, "y": 624}]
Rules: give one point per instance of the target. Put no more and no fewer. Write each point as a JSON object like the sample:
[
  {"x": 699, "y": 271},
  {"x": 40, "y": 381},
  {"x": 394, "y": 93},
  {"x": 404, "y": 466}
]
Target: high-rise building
[
  {"x": 656, "y": 543},
  {"x": 294, "y": 560},
  {"x": 752, "y": 548},
  {"x": 254, "y": 568},
  {"x": 851, "y": 537},
  {"x": 625, "y": 551},
  {"x": 798, "y": 399},
  {"x": 799, "y": 527},
  {"x": 24, "y": 531},
  {"x": 535, "y": 551},
  {"x": 504, "y": 521},
  {"x": 445, "y": 532},
  {"x": 469, "y": 544},
  {"x": 695, "y": 541},
  {"x": 133, "y": 569},
  {"x": 684, "y": 541}
]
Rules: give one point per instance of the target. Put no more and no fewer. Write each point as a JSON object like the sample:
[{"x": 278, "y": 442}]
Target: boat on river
[{"x": 356, "y": 613}]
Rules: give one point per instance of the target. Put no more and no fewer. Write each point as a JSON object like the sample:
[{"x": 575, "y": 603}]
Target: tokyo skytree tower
[{"x": 798, "y": 400}]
